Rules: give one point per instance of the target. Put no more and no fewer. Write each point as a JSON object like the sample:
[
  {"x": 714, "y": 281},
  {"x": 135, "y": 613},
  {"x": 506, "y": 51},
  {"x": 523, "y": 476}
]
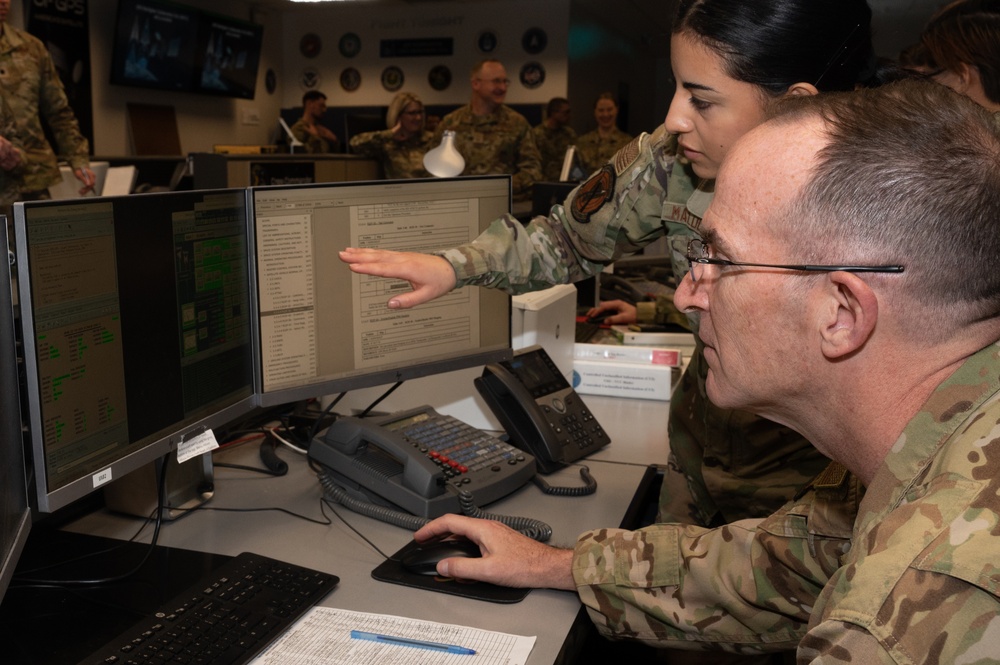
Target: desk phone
[{"x": 419, "y": 460}]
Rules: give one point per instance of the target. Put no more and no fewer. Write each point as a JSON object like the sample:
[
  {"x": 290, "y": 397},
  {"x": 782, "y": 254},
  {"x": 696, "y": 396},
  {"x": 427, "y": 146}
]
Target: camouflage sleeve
[
  {"x": 747, "y": 587},
  {"x": 529, "y": 163},
  {"x": 54, "y": 107},
  {"x": 617, "y": 211},
  {"x": 370, "y": 144}
]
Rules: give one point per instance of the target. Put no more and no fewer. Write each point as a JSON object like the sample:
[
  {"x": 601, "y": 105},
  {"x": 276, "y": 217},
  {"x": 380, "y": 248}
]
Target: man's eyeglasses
[
  {"x": 414, "y": 113},
  {"x": 699, "y": 254}
]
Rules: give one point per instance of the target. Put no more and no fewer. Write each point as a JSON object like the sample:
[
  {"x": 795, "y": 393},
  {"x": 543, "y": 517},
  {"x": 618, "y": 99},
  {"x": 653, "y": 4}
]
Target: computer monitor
[
  {"x": 324, "y": 329},
  {"x": 135, "y": 314},
  {"x": 15, "y": 513}
]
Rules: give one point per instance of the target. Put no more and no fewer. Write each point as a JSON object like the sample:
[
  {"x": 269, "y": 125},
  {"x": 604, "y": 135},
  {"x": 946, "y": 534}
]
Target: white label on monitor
[
  {"x": 197, "y": 445},
  {"x": 102, "y": 477},
  {"x": 449, "y": 323}
]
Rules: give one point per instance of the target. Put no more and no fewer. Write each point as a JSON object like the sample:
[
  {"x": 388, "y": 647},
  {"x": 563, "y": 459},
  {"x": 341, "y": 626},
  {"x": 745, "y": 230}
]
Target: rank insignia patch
[
  {"x": 593, "y": 194},
  {"x": 627, "y": 155}
]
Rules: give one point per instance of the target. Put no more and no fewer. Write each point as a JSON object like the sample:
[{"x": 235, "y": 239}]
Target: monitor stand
[{"x": 188, "y": 486}]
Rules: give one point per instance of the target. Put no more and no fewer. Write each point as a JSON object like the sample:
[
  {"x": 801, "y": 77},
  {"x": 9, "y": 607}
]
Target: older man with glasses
[
  {"x": 491, "y": 136},
  {"x": 846, "y": 286}
]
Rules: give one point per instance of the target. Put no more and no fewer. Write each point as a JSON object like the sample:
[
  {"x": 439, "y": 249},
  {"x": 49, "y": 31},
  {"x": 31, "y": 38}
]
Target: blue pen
[{"x": 407, "y": 642}]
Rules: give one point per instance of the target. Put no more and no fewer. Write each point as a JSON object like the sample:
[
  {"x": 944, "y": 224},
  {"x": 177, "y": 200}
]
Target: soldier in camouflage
[
  {"x": 11, "y": 158},
  {"x": 33, "y": 92},
  {"x": 401, "y": 148},
  {"x": 491, "y": 136},
  {"x": 595, "y": 148},
  {"x": 310, "y": 130},
  {"x": 553, "y": 136},
  {"x": 881, "y": 343}
]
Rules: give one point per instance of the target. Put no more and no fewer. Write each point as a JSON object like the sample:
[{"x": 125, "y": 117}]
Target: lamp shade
[{"x": 445, "y": 160}]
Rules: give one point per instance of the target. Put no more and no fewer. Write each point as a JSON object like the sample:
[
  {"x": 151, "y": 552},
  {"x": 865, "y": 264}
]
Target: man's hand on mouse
[{"x": 509, "y": 558}]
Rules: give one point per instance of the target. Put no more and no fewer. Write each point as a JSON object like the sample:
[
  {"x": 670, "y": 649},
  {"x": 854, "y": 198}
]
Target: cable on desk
[
  {"x": 589, "y": 486},
  {"x": 532, "y": 528}
]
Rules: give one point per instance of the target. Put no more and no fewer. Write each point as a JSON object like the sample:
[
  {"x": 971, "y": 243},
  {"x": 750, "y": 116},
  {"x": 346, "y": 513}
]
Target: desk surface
[{"x": 337, "y": 549}]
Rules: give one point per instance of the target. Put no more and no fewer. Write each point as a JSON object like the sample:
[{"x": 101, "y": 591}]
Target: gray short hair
[{"x": 910, "y": 175}]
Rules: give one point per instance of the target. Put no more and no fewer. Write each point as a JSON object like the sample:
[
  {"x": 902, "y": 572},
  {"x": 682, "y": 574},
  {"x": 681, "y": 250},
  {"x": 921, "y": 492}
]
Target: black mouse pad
[{"x": 391, "y": 571}]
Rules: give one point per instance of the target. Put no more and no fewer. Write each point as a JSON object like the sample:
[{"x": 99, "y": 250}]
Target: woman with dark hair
[
  {"x": 962, "y": 41},
  {"x": 401, "y": 148},
  {"x": 731, "y": 59}
]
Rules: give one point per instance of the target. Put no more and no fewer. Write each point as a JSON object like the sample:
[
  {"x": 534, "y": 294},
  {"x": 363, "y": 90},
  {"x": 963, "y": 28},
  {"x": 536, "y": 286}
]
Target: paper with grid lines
[{"x": 323, "y": 637}]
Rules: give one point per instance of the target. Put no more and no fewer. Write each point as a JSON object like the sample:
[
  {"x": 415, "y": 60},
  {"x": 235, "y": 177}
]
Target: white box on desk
[
  {"x": 645, "y": 355},
  {"x": 623, "y": 379},
  {"x": 546, "y": 318}
]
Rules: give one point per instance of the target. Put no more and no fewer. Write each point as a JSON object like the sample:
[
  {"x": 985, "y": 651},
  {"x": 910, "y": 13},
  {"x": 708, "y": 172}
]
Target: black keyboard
[{"x": 227, "y": 618}]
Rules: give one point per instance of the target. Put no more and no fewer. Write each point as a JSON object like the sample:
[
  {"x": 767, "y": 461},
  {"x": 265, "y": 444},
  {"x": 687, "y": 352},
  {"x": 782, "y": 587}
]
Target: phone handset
[{"x": 357, "y": 440}]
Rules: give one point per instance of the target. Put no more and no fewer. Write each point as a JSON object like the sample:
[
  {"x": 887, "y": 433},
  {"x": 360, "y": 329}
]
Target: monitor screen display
[
  {"x": 155, "y": 45},
  {"x": 15, "y": 514},
  {"x": 230, "y": 54},
  {"x": 170, "y": 46},
  {"x": 137, "y": 334},
  {"x": 324, "y": 329}
]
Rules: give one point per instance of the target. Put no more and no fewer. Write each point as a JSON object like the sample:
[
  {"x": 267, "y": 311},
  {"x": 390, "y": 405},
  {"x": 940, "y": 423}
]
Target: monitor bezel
[
  {"x": 158, "y": 444},
  {"x": 11, "y": 424},
  {"x": 286, "y": 395}
]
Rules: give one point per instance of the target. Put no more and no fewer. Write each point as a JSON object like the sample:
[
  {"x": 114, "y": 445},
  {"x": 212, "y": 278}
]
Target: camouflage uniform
[
  {"x": 315, "y": 145},
  {"x": 723, "y": 465},
  {"x": 552, "y": 144},
  {"x": 593, "y": 151},
  {"x": 8, "y": 179},
  {"x": 500, "y": 142},
  {"x": 919, "y": 584},
  {"x": 31, "y": 87},
  {"x": 398, "y": 159}
]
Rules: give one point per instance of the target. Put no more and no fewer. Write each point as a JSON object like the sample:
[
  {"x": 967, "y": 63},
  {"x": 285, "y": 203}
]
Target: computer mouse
[
  {"x": 601, "y": 316},
  {"x": 423, "y": 558}
]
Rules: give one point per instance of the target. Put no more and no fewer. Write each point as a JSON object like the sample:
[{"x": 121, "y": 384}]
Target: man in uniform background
[
  {"x": 553, "y": 136},
  {"x": 33, "y": 92},
  {"x": 310, "y": 130},
  {"x": 491, "y": 136}
]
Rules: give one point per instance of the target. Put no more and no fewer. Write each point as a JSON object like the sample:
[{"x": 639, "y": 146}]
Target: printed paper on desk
[{"x": 323, "y": 636}]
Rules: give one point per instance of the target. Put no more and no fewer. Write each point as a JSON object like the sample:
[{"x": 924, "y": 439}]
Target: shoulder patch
[
  {"x": 624, "y": 157},
  {"x": 593, "y": 194}
]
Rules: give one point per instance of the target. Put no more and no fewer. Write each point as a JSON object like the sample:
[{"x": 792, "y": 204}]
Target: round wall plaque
[
  {"x": 350, "y": 79},
  {"x": 487, "y": 41},
  {"x": 310, "y": 45},
  {"x": 349, "y": 45},
  {"x": 534, "y": 41},
  {"x": 392, "y": 78},
  {"x": 532, "y": 75},
  {"x": 439, "y": 77}
]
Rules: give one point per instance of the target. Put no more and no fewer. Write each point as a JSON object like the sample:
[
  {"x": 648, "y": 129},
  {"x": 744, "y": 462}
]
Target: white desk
[{"x": 638, "y": 430}]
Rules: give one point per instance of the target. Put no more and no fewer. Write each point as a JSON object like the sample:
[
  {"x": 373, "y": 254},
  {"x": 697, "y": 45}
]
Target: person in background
[
  {"x": 595, "y": 148},
  {"x": 11, "y": 158},
  {"x": 864, "y": 318},
  {"x": 33, "y": 93},
  {"x": 310, "y": 130},
  {"x": 401, "y": 148},
  {"x": 553, "y": 136},
  {"x": 491, "y": 136},
  {"x": 962, "y": 41},
  {"x": 722, "y": 464}
]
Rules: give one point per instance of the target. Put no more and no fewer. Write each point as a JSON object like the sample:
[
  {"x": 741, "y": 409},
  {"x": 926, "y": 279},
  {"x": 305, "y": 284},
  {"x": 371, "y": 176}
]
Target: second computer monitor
[
  {"x": 324, "y": 329},
  {"x": 137, "y": 334}
]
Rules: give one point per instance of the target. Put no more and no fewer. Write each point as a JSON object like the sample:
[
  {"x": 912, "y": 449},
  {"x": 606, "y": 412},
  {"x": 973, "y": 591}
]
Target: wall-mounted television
[{"x": 170, "y": 46}]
